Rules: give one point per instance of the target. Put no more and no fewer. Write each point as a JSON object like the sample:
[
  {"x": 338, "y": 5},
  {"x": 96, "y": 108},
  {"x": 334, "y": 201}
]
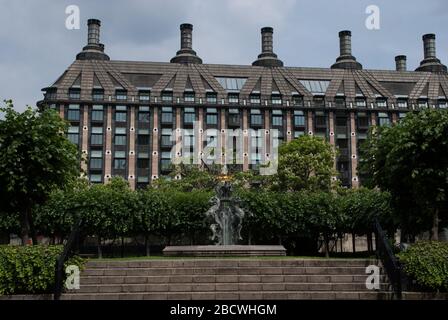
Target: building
[{"x": 122, "y": 113}]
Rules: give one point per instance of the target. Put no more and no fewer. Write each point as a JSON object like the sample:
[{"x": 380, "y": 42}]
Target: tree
[
  {"x": 35, "y": 158},
  {"x": 410, "y": 160},
  {"x": 305, "y": 163}
]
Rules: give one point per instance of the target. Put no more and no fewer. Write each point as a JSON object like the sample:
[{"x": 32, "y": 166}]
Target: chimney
[
  {"x": 345, "y": 59},
  {"x": 400, "y": 63},
  {"x": 267, "y": 57},
  {"x": 94, "y": 50},
  {"x": 430, "y": 63},
  {"x": 186, "y": 54}
]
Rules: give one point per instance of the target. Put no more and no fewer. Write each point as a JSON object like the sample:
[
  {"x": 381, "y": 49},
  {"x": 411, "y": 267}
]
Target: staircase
[{"x": 232, "y": 279}]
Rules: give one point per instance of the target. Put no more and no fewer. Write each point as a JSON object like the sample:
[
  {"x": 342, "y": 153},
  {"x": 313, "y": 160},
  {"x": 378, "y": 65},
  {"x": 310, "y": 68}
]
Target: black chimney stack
[
  {"x": 94, "y": 50},
  {"x": 186, "y": 54},
  {"x": 346, "y": 60},
  {"x": 430, "y": 62},
  {"x": 267, "y": 57}
]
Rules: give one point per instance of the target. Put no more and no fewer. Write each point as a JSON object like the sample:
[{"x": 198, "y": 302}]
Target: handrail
[
  {"x": 67, "y": 252},
  {"x": 391, "y": 264}
]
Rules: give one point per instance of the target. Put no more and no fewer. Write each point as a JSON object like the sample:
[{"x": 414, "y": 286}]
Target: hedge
[
  {"x": 427, "y": 263},
  {"x": 30, "y": 269}
]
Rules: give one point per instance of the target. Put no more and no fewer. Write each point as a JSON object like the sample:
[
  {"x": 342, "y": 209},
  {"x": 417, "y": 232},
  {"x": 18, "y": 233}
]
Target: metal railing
[{"x": 393, "y": 267}]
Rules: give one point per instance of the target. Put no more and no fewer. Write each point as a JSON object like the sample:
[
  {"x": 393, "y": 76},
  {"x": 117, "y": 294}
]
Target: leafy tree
[
  {"x": 305, "y": 163},
  {"x": 35, "y": 158},
  {"x": 410, "y": 160}
]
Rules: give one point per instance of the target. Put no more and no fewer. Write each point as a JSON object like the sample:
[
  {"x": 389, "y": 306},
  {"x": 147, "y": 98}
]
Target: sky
[{"x": 36, "y": 46}]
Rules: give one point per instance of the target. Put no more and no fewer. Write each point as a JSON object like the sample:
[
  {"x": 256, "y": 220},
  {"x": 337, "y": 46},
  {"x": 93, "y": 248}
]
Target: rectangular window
[
  {"x": 144, "y": 96},
  {"x": 166, "y": 138},
  {"x": 73, "y": 112},
  {"x": 97, "y": 94},
  {"x": 256, "y": 118},
  {"x": 383, "y": 119},
  {"x": 165, "y": 162},
  {"x": 211, "y": 116},
  {"x": 363, "y": 121},
  {"x": 276, "y": 99},
  {"x": 189, "y": 115},
  {"x": 96, "y": 160},
  {"x": 120, "y": 160},
  {"x": 189, "y": 96},
  {"x": 277, "y": 118},
  {"x": 120, "y": 113},
  {"x": 233, "y": 98},
  {"x": 339, "y": 102},
  {"x": 143, "y": 138},
  {"x": 255, "y": 99},
  {"x": 167, "y": 115},
  {"x": 319, "y": 101},
  {"x": 297, "y": 100},
  {"x": 381, "y": 103},
  {"x": 143, "y": 163},
  {"x": 320, "y": 119},
  {"x": 167, "y": 96},
  {"x": 360, "y": 102},
  {"x": 234, "y": 117},
  {"x": 120, "y": 136},
  {"x": 95, "y": 178},
  {"x": 121, "y": 95},
  {"x": 73, "y": 134},
  {"x": 74, "y": 93},
  {"x": 97, "y": 136},
  {"x": 211, "y": 98},
  {"x": 299, "y": 118},
  {"x": 97, "y": 113},
  {"x": 402, "y": 103},
  {"x": 442, "y": 104},
  {"x": 143, "y": 114},
  {"x": 423, "y": 103}
]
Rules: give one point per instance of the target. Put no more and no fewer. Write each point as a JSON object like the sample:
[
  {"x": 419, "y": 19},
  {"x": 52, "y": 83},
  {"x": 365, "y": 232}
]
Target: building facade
[{"x": 125, "y": 116}]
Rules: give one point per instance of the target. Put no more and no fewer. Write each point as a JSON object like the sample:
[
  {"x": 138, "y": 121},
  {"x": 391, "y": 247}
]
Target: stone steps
[{"x": 261, "y": 278}]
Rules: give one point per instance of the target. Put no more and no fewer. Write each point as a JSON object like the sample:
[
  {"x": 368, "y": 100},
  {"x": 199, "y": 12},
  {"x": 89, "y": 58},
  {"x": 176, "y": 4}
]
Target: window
[
  {"x": 299, "y": 118},
  {"x": 97, "y": 113},
  {"x": 442, "y": 104},
  {"x": 381, "y": 103},
  {"x": 363, "y": 120},
  {"x": 231, "y": 84},
  {"x": 298, "y": 133},
  {"x": 233, "y": 98},
  {"x": 234, "y": 117},
  {"x": 256, "y": 118},
  {"x": 255, "y": 99},
  {"x": 143, "y": 137},
  {"x": 167, "y": 96},
  {"x": 74, "y": 93},
  {"x": 143, "y": 114},
  {"x": 320, "y": 119},
  {"x": 96, "y": 160},
  {"x": 189, "y": 96},
  {"x": 401, "y": 115},
  {"x": 97, "y": 136},
  {"x": 423, "y": 103},
  {"x": 121, "y": 95},
  {"x": 120, "y": 136},
  {"x": 144, "y": 96},
  {"x": 73, "y": 112},
  {"x": 143, "y": 161},
  {"x": 120, "y": 160},
  {"x": 402, "y": 103},
  {"x": 316, "y": 86},
  {"x": 211, "y": 116},
  {"x": 167, "y": 115},
  {"x": 95, "y": 178},
  {"x": 277, "y": 118},
  {"x": 166, "y": 138},
  {"x": 360, "y": 102},
  {"x": 73, "y": 134},
  {"x": 211, "y": 98},
  {"x": 383, "y": 119},
  {"x": 120, "y": 113},
  {"x": 297, "y": 100},
  {"x": 50, "y": 94},
  {"x": 165, "y": 162},
  {"x": 339, "y": 102},
  {"x": 276, "y": 99},
  {"x": 97, "y": 94},
  {"x": 189, "y": 115}
]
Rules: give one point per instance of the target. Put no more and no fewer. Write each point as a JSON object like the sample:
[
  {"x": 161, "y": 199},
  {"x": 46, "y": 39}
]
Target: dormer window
[
  {"x": 74, "y": 93},
  {"x": 254, "y": 99},
  {"x": 234, "y": 98},
  {"x": 211, "y": 98},
  {"x": 276, "y": 99},
  {"x": 319, "y": 101},
  {"x": 360, "y": 102},
  {"x": 144, "y": 95},
  {"x": 189, "y": 96},
  {"x": 442, "y": 104},
  {"x": 297, "y": 100},
  {"x": 97, "y": 94},
  {"x": 339, "y": 102},
  {"x": 423, "y": 103},
  {"x": 381, "y": 103},
  {"x": 402, "y": 103},
  {"x": 50, "y": 94},
  {"x": 121, "y": 94},
  {"x": 167, "y": 96}
]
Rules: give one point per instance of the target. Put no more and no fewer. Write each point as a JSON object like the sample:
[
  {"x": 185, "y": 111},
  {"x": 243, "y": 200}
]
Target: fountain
[{"x": 226, "y": 218}]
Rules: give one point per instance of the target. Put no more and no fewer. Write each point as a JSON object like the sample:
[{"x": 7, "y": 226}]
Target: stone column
[
  {"x": 354, "y": 156},
  {"x": 267, "y": 137},
  {"x": 394, "y": 118},
  {"x": 85, "y": 138},
  {"x": 108, "y": 157},
  {"x": 289, "y": 133},
  {"x": 373, "y": 119},
  {"x": 178, "y": 133},
  {"x": 199, "y": 137},
  {"x": 332, "y": 136},
  {"x": 131, "y": 162},
  {"x": 310, "y": 122},
  {"x": 245, "y": 142},
  {"x": 61, "y": 111},
  {"x": 223, "y": 145},
  {"x": 155, "y": 145}
]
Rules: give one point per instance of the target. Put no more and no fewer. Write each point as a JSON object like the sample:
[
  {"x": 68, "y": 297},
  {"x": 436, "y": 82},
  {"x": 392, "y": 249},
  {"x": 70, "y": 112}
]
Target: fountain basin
[{"x": 224, "y": 251}]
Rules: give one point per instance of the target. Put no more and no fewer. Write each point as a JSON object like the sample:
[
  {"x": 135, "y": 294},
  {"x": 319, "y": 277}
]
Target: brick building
[{"x": 125, "y": 115}]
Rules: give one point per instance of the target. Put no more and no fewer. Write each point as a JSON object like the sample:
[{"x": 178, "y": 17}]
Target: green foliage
[
  {"x": 35, "y": 158},
  {"x": 409, "y": 160},
  {"x": 30, "y": 269},
  {"x": 305, "y": 163},
  {"x": 427, "y": 263}
]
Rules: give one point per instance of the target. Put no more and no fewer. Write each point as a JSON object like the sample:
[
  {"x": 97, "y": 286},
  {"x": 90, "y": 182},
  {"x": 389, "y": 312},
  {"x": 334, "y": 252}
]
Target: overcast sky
[{"x": 36, "y": 47}]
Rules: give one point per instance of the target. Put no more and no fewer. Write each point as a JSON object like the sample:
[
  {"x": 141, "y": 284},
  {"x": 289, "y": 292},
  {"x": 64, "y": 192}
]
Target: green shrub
[
  {"x": 427, "y": 263},
  {"x": 29, "y": 269}
]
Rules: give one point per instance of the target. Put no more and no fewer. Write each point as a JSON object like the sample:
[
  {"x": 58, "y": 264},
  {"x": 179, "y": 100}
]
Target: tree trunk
[
  {"x": 147, "y": 248},
  {"x": 354, "y": 242},
  {"x": 327, "y": 246},
  {"x": 435, "y": 226},
  {"x": 100, "y": 252},
  {"x": 25, "y": 229},
  {"x": 122, "y": 247},
  {"x": 31, "y": 224}
]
